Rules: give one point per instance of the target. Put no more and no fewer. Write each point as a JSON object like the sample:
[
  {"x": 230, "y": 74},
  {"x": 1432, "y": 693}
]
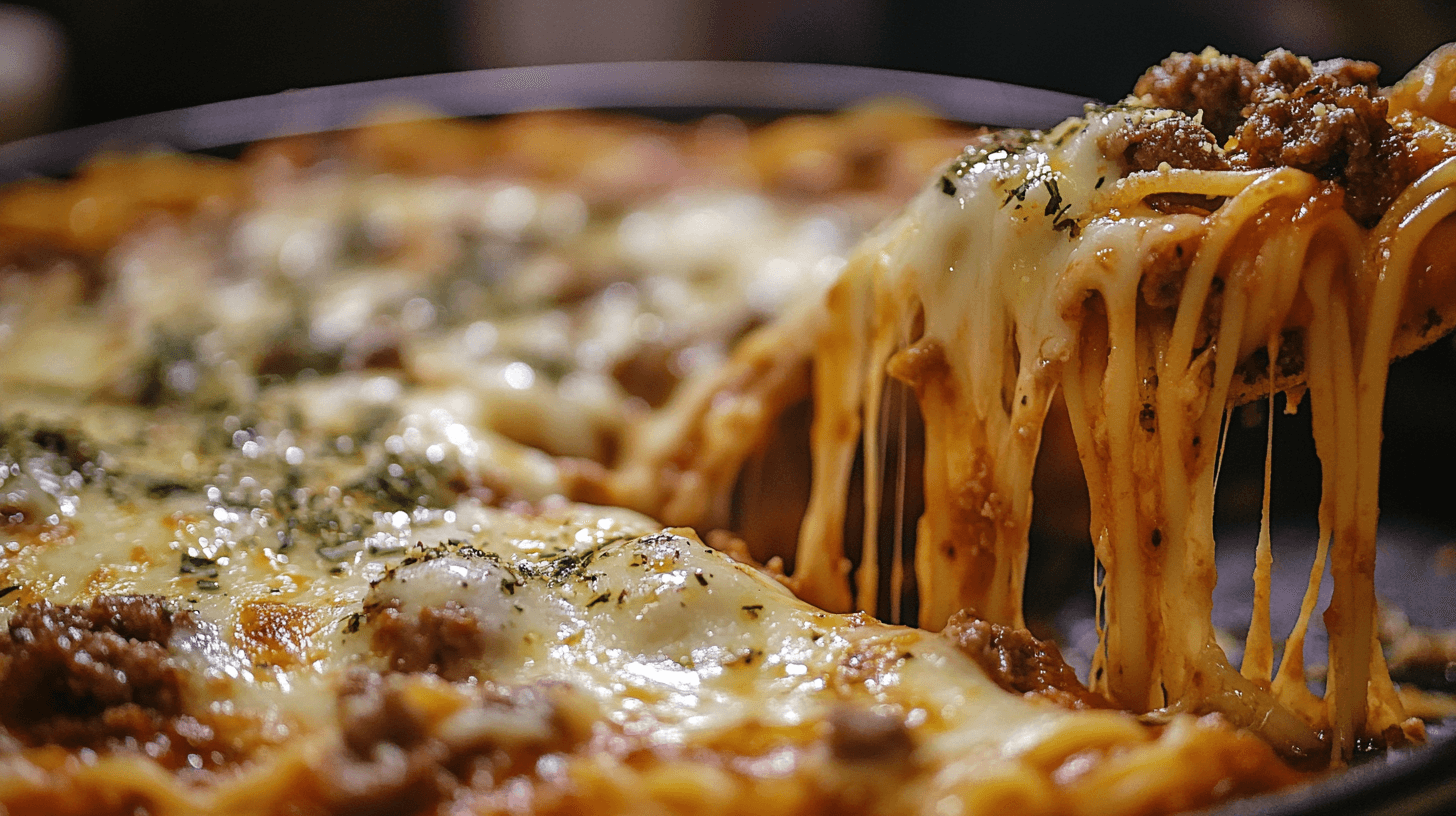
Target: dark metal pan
[
  {"x": 1410, "y": 575},
  {"x": 667, "y": 87}
]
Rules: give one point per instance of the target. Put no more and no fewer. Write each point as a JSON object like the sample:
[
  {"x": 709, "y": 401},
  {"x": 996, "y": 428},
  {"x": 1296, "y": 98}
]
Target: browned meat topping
[
  {"x": 861, "y": 735},
  {"x": 1177, "y": 140},
  {"x": 444, "y": 640},
  {"x": 372, "y": 715},
  {"x": 1325, "y": 118},
  {"x": 648, "y": 373},
  {"x": 1328, "y": 121},
  {"x": 389, "y": 764},
  {"x": 394, "y": 760},
  {"x": 1348, "y": 72},
  {"x": 83, "y": 675},
  {"x": 1217, "y": 85},
  {"x": 1019, "y": 662},
  {"x": 1223, "y": 86}
]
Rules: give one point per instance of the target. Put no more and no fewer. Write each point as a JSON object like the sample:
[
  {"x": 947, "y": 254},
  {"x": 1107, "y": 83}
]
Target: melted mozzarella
[{"x": 671, "y": 645}]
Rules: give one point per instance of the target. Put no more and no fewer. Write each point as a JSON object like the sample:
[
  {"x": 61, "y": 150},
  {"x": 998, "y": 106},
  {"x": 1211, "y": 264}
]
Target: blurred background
[{"x": 65, "y": 63}]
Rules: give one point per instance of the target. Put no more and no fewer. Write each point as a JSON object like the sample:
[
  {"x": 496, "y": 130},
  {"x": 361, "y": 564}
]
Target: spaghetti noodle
[{"x": 1154, "y": 297}]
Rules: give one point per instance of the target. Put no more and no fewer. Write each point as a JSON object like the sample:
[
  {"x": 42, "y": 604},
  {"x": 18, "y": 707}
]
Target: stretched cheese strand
[
  {"x": 1022, "y": 270},
  {"x": 1355, "y": 658},
  {"x": 1258, "y": 664},
  {"x": 1189, "y": 412}
]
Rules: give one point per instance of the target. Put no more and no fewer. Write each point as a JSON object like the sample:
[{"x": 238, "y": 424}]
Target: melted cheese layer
[{"x": 663, "y": 646}]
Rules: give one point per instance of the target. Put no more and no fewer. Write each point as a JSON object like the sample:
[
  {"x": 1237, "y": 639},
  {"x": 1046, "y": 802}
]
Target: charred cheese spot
[
  {"x": 278, "y": 634},
  {"x": 1019, "y": 662}
]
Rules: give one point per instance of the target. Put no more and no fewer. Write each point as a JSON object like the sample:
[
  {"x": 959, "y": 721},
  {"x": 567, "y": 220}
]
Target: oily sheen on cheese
[
  {"x": 336, "y": 480},
  {"x": 660, "y": 671}
]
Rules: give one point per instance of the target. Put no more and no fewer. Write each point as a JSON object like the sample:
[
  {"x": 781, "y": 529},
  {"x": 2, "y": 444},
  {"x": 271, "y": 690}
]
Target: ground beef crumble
[
  {"x": 1213, "y": 83},
  {"x": 388, "y": 762},
  {"x": 1180, "y": 141},
  {"x": 394, "y": 759},
  {"x": 1325, "y": 118},
  {"x": 86, "y": 675},
  {"x": 444, "y": 640},
  {"x": 1018, "y": 661}
]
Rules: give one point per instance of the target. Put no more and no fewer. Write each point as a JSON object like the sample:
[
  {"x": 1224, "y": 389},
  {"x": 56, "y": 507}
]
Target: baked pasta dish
[{"x": 569, "y": 463}]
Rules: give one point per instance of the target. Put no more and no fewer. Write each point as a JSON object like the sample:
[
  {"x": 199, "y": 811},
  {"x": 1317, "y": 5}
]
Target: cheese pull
[{"x": 1154, "y": 272}]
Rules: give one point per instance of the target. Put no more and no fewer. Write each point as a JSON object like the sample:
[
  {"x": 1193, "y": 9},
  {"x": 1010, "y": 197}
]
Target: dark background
[{"x": 127, "y": 57}]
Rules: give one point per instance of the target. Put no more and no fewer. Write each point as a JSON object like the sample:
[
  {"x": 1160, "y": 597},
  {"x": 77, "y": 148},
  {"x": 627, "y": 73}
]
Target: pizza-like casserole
[{"x": 404, "y": 470}]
